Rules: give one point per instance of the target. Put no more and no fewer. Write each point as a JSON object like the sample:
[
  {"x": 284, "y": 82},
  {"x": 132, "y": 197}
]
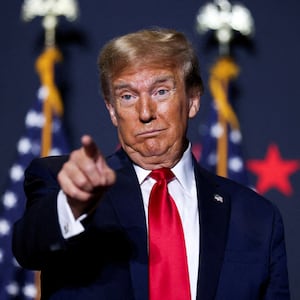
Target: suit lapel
[
  {"x": 128, "y": 204},
  {"x": 214, "y": 211}
]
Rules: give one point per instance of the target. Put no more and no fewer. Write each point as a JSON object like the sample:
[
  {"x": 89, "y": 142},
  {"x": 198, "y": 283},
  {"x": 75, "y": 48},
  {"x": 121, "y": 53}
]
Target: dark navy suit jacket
[{"x": 242, "y": 250}]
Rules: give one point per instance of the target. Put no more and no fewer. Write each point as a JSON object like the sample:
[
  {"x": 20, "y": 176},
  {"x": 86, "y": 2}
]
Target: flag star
[
  {"x": 9, "y": 199},
  {"x": 4, "y": 227},
  {"x": 13, "y": 289},
  {"x": 235, "y": 164},
  {"x": 29, "y": 290},
  {"x": 43, "y": 92},
  {"x": 24, "y": 145},
  {"x": 216, "y": 130},
  {"x": 16, "y": 172},
  {"x": 235, "y": 136},
  {"x": 34, "y": 119}
]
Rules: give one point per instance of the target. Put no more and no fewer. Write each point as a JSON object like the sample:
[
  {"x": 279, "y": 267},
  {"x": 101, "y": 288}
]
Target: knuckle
[
  {"x": 89, "y": 168},
  {"x": 81, "y": 182}
]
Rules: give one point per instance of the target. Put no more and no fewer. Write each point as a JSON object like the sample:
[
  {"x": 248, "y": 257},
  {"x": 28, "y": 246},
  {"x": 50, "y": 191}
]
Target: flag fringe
[
  {"x": 52, "y": 101},
  {"x": 221, "y": 73}
]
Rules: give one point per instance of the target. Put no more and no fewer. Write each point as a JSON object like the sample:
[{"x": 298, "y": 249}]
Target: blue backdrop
[{"x": 267, "y": 90}]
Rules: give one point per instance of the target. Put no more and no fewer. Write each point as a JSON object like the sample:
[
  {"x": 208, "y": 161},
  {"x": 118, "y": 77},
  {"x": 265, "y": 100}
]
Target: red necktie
[{"x": 168, "y": 271}]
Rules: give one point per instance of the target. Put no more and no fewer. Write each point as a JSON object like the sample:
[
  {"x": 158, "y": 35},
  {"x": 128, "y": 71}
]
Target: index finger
[{"x": 90, "y": 147}]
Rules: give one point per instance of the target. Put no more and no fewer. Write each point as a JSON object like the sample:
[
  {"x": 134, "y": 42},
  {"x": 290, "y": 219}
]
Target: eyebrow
[{"x": 157, "y": 80}]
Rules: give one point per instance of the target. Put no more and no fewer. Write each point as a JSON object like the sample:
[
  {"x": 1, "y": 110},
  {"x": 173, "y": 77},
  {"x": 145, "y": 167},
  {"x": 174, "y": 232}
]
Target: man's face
[{"x": 150, "y": 108}]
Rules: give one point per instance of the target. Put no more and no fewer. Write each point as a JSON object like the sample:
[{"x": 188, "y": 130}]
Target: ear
[
  {"x": 112, "y": 113},
  {"x": 194, "y": 102}
]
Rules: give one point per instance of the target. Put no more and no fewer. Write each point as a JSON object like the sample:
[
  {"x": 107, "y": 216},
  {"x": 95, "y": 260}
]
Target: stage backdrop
[{"x": 266, "y": 92}]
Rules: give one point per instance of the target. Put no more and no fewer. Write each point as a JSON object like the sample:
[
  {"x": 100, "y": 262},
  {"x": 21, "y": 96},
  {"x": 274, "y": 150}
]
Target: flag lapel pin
[{"x": 218, "y": 198}]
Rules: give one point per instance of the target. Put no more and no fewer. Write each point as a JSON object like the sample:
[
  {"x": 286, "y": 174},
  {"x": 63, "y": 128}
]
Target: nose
[{"x": 146, "y": 108}]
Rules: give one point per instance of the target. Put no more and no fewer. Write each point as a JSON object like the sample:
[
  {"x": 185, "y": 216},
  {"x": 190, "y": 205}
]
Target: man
[{"x": 88, "y": 224}]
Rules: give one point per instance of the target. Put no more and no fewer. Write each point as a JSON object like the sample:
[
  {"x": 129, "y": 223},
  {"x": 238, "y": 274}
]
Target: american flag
[
  {"x": 221, "y": 150},
  {"x": 16, "y": 282}
]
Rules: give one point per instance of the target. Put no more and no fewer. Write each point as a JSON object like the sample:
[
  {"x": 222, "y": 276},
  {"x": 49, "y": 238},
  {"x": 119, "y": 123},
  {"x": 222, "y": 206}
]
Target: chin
[{"x": 154, "y": 150}]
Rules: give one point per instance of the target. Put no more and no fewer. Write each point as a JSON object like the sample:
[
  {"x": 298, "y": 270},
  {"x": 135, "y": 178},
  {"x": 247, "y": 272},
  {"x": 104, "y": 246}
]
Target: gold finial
[
  {"x": 49, "y": 10},
  {"x": 224, "y": 19}
]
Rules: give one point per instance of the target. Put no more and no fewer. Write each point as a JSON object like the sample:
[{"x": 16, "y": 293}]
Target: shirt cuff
[{"x": 68, "y": 224}]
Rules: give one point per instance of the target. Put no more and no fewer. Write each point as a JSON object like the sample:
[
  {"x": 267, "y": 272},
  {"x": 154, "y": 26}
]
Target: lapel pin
[{"x": 218, "y": 198}]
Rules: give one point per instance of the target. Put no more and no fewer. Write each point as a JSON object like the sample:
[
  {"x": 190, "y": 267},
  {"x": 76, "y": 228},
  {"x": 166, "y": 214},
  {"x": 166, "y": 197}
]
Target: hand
[{"x": 85, "y": 176}]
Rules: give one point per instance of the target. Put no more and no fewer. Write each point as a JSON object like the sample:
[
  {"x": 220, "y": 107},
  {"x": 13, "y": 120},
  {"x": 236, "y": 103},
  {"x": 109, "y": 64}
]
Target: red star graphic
[{"x": 273, "y": 171}]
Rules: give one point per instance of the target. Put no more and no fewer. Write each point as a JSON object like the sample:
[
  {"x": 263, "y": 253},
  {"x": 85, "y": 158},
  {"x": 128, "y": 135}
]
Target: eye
[
  {"x": 126, "y": 97},
  {"x": 162, "y": 94}
]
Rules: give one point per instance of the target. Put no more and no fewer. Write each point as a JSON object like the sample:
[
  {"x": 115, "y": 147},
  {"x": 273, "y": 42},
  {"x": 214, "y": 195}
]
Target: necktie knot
[{"x": 162, "y": 174}]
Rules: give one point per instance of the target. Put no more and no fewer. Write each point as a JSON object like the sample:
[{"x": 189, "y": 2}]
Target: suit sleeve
[{"x": 37, "y": 233}]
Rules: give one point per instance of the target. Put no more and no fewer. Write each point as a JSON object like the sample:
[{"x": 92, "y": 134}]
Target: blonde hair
[{"x": 165, "y": 47}]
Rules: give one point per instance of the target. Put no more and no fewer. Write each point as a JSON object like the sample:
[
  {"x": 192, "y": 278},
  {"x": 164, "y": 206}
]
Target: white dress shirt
[{"x": 183, "y": 191}]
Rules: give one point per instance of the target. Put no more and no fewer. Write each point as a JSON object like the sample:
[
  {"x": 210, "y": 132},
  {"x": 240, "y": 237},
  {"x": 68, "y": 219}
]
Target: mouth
[{"x": 150, "y": 133}]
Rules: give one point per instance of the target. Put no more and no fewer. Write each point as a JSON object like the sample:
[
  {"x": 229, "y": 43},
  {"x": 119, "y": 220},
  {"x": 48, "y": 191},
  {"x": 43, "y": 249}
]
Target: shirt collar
[{"x": 183, "y": 170}]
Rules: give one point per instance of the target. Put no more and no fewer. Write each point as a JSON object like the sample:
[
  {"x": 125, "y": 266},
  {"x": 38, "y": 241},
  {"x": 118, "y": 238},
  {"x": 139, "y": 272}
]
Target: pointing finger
[{"x": 90, "y": 147}]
